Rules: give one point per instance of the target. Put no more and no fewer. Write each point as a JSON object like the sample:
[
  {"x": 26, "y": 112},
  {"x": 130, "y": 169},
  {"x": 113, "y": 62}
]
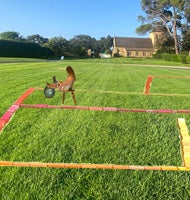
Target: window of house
[
  {"x": 144, "y": 53},
  {"x": 137, "y": 53},
  {"x": 128, "y": 53}
]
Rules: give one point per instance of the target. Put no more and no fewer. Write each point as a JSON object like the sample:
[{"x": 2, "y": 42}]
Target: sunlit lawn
[{"x": 79, "y": 136}]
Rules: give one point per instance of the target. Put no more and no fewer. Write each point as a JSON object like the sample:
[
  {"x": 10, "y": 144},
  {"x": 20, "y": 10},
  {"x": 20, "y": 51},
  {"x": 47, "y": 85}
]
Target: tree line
[
  {"x": 13, "y": 44},
  {"x": 171, "y": 16}
]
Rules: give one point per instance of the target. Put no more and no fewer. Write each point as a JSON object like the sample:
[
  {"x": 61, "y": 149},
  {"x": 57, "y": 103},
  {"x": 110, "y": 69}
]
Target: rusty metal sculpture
[{"x": 62, "y": 86}]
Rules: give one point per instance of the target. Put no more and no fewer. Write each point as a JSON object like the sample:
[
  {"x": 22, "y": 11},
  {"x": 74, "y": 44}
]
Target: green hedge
[
  {"x": 23, "y": 49},
  {"x": 188, "y": 59},
  {"x": 183, "y": 58}
]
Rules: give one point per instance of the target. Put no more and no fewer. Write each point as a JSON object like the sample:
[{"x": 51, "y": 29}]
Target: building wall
[
  {"x": 139, "y": 54},
  {"x": 114, "y": 50},
  {"x": 155, "y": 37},
  {"x": 132, "y": 53}
]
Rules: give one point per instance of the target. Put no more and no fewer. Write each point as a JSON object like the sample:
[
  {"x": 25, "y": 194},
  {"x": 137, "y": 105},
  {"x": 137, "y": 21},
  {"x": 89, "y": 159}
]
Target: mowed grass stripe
[
  {"x": 83, "y": 136},
  {"x": 91, "y": 136}
]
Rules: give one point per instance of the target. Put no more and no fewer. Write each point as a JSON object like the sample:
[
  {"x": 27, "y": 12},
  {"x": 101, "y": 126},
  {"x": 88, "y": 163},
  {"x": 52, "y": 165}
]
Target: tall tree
[
  {"x": 37, "y": 39},
  {"x": 10, "y": 35},
  {"x": 171, "y": 14},
  {"x": 106, "y": 43},
  {"x": 103, "y": 45},
  {"x": 57, "y": 44},
  {"x": 80, "y": 44}
]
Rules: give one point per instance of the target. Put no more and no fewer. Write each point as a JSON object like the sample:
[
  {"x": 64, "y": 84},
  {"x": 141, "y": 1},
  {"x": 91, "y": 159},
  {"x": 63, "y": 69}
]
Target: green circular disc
[{"x": 49, "y": 92}]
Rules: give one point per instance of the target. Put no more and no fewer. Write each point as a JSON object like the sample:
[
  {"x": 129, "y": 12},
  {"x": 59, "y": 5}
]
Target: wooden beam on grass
[
  {"x": 97, "y": 108},
  {"x": 185, "y": 142},
  {"x": 24, "y": 96},
  {"x": 148, "y": 84},
  {"x": 7, "y": 116},
  {"x": 90, "y": 166}
]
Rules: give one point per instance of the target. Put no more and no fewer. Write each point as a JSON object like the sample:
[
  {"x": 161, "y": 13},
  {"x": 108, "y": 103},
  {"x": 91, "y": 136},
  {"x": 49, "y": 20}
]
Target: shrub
[
  {"x": 157, "y": 56},
  {"x": 183, "y": 58},
  {"x": 188, "y": 59}
]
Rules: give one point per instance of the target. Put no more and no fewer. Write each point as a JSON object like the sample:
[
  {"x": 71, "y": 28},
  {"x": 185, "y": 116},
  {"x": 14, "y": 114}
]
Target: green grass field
[{"x": 79, "y": 136}]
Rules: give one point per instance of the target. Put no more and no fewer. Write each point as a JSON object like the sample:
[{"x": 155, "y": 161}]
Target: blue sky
[{"x": 67, "y": 18}]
